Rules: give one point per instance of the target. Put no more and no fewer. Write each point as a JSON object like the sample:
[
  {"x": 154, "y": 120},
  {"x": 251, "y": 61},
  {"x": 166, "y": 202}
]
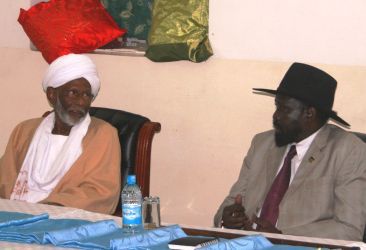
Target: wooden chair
[{"x": 135, "y": 133}]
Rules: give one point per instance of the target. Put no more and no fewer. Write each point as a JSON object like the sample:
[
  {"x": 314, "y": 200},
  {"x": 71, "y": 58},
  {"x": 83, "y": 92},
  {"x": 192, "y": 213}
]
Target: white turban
[{"x": 70, "y": 67}]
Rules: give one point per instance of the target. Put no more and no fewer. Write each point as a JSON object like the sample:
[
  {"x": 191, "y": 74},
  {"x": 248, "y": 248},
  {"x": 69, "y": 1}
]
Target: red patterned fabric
[{"x": 61, "y": 27}]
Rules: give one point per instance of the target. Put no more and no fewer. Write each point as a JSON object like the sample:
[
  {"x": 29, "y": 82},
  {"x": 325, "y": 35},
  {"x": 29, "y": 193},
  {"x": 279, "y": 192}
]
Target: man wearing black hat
[{"x": 304, "y": 177}]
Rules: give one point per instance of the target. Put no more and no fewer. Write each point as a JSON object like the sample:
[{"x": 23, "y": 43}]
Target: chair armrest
[{"x": 143, "y": 155}]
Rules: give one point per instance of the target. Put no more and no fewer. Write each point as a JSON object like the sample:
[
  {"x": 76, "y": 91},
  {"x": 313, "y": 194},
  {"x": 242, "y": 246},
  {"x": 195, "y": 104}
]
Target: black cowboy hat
[{"x": 310, "y": 85}]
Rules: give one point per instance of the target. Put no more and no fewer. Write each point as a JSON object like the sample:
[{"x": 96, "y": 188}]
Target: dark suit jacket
[{"x": 327, "y": 195}]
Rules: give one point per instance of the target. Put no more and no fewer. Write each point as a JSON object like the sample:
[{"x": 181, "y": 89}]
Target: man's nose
[{"x": 82, "y": 101}]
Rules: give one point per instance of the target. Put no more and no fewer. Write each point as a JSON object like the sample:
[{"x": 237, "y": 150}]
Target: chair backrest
[
  {"x": 363, "y": 138},
  {"x": 360, "y": 135},
  {"x": 135, "y": 135}
]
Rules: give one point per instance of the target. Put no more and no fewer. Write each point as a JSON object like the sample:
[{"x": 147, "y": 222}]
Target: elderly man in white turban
[{"x": 67, "y": 158}]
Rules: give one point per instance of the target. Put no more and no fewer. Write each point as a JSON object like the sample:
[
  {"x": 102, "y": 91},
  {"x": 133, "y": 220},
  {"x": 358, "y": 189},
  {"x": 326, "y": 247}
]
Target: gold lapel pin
[{"x": 311, "y": 159}]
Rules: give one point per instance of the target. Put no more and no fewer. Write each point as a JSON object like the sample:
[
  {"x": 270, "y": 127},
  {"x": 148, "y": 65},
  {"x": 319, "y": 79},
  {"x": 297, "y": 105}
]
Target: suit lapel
[
  {"x": 273, "y": 160},
  {"x": 310, "y": 160}
]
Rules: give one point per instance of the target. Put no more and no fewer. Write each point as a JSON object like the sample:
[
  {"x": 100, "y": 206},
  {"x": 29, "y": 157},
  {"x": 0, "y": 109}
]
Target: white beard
[{"x": 64, "y": 116}]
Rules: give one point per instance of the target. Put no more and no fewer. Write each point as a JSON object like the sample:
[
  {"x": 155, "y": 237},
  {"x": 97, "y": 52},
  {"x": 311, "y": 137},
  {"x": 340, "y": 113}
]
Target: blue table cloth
[{"x": 106, "y": 234}]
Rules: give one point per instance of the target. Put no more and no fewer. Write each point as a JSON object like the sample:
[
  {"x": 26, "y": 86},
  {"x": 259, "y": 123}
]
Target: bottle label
[{"x": 131, "y": 214}]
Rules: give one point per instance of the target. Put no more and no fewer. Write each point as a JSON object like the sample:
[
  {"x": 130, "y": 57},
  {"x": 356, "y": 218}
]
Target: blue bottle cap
[{"x": 131, "y": 179}]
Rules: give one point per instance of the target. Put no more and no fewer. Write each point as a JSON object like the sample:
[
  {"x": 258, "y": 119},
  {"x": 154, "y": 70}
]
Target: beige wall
[{"x": 208, "y": 115}]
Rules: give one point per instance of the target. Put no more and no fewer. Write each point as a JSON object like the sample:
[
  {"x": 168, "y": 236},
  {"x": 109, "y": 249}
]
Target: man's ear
[
  {"x": 51, "y": 95},
  {"x": 310, "y": 113}
]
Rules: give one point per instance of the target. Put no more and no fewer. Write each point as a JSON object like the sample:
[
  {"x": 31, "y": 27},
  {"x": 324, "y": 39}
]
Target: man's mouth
[{"x": 76, "y": 112}]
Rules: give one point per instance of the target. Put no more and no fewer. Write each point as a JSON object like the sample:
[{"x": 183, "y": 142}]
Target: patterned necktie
[{"x": 278, "y": 189}]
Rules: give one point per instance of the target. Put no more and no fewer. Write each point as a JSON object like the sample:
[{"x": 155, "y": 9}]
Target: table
[
  {"x": 277, "y": 238},
  {"x": 56, "y": 212}
]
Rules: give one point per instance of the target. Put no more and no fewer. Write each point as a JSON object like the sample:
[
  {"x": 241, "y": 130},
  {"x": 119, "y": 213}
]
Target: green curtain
[
  {"x": 179, "y": 31},
  {"x": 133, "y": 15}
]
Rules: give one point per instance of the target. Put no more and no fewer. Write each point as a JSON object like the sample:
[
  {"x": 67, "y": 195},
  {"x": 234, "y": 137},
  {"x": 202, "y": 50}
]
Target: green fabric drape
[
  {"x": 179, "y": 31},
  {"x": 133, "y": 15}
]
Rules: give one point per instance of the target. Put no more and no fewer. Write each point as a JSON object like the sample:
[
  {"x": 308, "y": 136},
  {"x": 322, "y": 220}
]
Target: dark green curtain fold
[
  {"x": 133, "y": 15},
  {"x": 179, "y": 31}
]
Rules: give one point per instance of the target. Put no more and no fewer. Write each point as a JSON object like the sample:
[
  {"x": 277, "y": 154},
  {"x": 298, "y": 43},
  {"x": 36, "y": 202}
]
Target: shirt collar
[{"x": 303, "y": 146}]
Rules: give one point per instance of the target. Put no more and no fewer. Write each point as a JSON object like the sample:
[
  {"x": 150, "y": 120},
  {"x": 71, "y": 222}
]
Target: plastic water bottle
[{"x": 131, "y": 206}]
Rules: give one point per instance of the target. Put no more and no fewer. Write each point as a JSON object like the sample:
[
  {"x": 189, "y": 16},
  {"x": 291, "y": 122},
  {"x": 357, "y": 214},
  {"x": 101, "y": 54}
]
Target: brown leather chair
[{"x": 135, "y": 133}]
